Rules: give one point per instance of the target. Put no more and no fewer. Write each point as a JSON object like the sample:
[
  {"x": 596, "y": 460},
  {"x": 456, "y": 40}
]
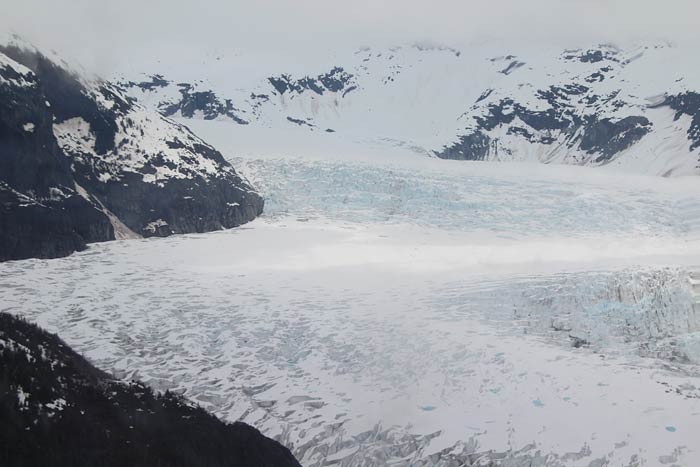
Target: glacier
[{"x": 411, "y": 311}]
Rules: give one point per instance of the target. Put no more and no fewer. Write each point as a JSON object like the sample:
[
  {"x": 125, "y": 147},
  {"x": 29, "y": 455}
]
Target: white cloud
[{"x": 102, "y": 32}]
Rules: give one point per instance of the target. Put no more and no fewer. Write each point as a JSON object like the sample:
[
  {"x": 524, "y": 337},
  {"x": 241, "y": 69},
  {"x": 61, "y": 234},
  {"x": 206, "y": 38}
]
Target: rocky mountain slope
[
  {"x": 57, "y": 409},
  {"x": 634, "y": 108},
  {"x": 80, "y": 162}
]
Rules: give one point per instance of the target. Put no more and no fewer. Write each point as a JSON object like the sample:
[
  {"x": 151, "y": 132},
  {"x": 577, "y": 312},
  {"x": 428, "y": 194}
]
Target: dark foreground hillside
[{"x": 56, "y": 409}]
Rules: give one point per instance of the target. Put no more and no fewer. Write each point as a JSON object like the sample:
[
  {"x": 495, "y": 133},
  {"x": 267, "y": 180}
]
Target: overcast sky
[{"x": 98, "y": 32}]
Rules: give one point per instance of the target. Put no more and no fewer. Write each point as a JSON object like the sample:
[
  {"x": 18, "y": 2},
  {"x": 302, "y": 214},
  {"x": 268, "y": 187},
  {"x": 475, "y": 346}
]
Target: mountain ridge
[
  {"x": 599, "y": 105},
  {"x": 81, "y": 163}
]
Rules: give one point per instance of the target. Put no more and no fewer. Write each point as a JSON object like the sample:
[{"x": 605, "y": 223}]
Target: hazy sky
[{"x": 99, "y": 31}]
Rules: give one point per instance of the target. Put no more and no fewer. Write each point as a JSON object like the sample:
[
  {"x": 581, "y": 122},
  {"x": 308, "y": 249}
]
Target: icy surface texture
[
  {"x": 399, "y": 315},
  {"x": 505, "y": 205}
]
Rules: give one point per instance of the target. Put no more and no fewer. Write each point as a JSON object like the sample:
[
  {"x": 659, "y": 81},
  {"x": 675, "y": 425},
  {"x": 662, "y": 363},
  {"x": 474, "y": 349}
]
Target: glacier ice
[{"x": 380, "y": 315}]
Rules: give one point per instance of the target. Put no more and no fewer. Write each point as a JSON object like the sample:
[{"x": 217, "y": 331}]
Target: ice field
[{"x": 415, "y": 312}]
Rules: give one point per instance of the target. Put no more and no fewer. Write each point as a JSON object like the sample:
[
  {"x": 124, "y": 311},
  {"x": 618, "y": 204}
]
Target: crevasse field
[{"x": 411, "y": 311}]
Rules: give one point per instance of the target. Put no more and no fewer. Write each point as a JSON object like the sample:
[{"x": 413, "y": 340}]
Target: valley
[{"x": 425, "y": 312}]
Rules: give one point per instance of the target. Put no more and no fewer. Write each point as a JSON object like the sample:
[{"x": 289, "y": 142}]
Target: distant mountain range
[{"x": 637, "y": 109}]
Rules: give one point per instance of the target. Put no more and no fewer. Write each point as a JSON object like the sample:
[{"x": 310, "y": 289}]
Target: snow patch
[
  {"x": 22, "y": 397},
  {"x": 152, "y": 227},
  {"x": 25, "y": 76}
]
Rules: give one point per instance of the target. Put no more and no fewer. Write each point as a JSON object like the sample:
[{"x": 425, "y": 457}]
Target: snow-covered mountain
[
  {"x": 635, "y": 108},
  {"x": 80, "y": 162},
  {"x": 393, "y": 308}
]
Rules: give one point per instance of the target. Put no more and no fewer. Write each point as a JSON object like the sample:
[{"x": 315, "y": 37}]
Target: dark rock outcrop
[
  {"x": 206, "y": 102},
  {"x": 300, "y": 122},
  {"x": 59, "y": 410},
  {"x": 562, "y": 121},
  {"x": 192, "y": 103},
  {"x": 80, "y": 163},
  {"x": 41, "y": 214},
  {"x": 607, "y": 138},
  {"x": 336, "y": 80},
  {"x": 472, "y": 147},
  {"x": 687, "y": 103},
  {"x": 575, "y": 121},
  {"x": 154, "y": 82},
  {"x": 592, "y": 55},
  {"x": 48, "y": 228}
]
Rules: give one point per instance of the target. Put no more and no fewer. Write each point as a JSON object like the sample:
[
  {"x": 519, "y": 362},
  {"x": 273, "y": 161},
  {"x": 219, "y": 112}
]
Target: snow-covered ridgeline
[
  {"x": 98, "y": 165},
  {"x": 592, "y": 106}
]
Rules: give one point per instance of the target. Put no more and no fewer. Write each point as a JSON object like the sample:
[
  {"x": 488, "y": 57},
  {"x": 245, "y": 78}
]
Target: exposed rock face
[
  {"x": 57, "y": 409},
  {"x": 41, "y": 214},
  {"x": 572, "y": 115},
  {"x": 688, "y": 103},
  {"x": 474, "y": 146},
  {"x": 190, "y": 100},
  {"x": 591, "y": 134},
  {"x": 48, "y": 228},
  {"x": 607, "y": 137},
  {"x": 81, "y": 163},
  {"x": 205, "y": 102},
  {"x": 590, "y": 117},
  {"x": 591, "y": 55},
  {"x": 335, "y": 81}
]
